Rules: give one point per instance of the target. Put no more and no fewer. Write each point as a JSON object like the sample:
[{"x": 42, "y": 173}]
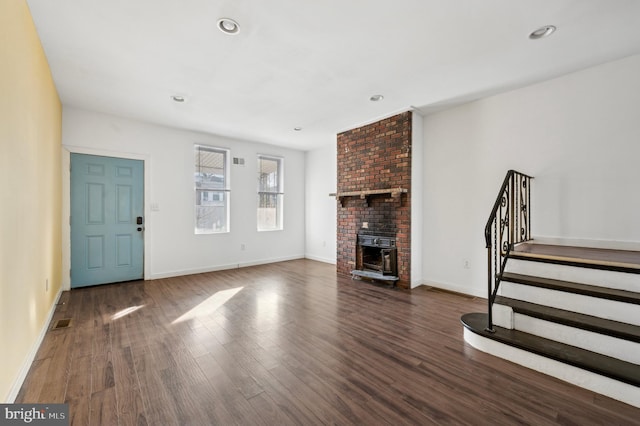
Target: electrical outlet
[
  {"x": 466, "y": 264},
  {"x": 242, "y": 247}
]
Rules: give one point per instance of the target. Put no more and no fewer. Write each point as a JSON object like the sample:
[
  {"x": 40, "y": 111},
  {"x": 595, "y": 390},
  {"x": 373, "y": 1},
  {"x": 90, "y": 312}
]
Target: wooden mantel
[{"x": 365, "y": 194}]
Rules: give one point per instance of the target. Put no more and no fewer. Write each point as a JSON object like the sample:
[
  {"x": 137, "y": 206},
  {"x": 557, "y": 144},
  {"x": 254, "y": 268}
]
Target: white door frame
[{"x": 66, "y": 205}]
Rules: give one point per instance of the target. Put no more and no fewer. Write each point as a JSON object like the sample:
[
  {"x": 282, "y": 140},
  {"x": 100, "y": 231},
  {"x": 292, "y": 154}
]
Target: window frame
[
  {"x": 225, "y": 189},
  {"x": 279, "y": 193}
]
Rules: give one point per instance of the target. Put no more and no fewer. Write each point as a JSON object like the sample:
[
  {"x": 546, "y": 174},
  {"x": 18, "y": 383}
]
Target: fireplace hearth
[{"x": 376, "y": 257}]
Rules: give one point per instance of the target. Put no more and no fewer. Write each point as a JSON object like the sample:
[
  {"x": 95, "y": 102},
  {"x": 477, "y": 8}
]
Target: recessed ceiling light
[
  {"x": 376, "y": 98},
  {"x": 297, "y": 129},
  {"x": 542, "y": 32},
  {"x": 178, "y": 98},
  {"x": 228, "y": 26}
]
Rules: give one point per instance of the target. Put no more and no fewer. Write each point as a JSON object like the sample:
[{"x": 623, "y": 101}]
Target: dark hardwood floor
[{"x": 288, "y": 343}]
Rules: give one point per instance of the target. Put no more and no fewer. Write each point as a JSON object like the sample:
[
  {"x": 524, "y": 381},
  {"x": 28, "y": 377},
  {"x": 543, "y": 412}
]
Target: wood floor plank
[
  {"x": 104, "y": 409},
  {"x": 343, "y": 372},
  {"x": 81, "y": 413},
  {"x": 102, "y": 365},
  {"x": 228, "y": 392},
  {"x": 156, "y": 400},
  {"x": 289, "y": 343},
  {"x": 320, "y": 407},
  {"x": 79, "y": 385},
  {"x": 55, "y": 382},
  {"x": 34, "y": 382},
  {"x": 270, "y": 411},
  {"x": 186, "y": 366},
  {"x": 235, "y": 361},
  {"x": 131, "y": 409},
  {"x": 184, "y": 405},
  {"x": 286, "y": 401},
  {"x": 213, "y": 408}
]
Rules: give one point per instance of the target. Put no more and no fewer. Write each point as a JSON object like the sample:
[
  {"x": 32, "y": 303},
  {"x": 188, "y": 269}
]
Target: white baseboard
[
  {"x": 270, "y": 260},
  {"x": 181, "y": 272},
  {"x": 320, "y": 259},
  {"x": 28, "y": 361},
  {"x": 455, "y": 288}
]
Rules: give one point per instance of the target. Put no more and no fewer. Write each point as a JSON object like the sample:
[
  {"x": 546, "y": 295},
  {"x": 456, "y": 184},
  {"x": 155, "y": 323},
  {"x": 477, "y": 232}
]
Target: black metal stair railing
[{"x": 508, "y": 224}]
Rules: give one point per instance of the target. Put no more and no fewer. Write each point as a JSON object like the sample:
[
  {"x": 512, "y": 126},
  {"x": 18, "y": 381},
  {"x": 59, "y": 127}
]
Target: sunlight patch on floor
[
  {"x": 126, "y": 311},
  {"x": 209, "y": 305}
]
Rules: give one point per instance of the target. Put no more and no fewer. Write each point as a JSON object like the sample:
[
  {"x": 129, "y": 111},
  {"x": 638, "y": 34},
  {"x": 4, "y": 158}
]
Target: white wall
[
  {"x": 321, "y": 180},
  {"x": 171, "y": 247},
  {"x": 30, "y": 190},
  {"x": 578, "y": 135},
  {"x": 417, "y": 198}
]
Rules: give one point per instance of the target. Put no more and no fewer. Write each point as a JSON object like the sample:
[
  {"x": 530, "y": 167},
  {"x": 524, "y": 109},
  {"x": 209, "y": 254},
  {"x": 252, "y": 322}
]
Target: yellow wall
[{"x": 30, "y": 191}]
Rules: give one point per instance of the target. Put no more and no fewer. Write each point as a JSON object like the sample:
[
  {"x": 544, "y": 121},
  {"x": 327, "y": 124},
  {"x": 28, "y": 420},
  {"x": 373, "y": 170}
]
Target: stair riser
[
  {"x": 597, "y": 277},
  {"x": 594, "y": 342},
  {"x": 603, "y": 308},
  {"x": 505, "y": 317},
  {"x": 586, "y": 379}
]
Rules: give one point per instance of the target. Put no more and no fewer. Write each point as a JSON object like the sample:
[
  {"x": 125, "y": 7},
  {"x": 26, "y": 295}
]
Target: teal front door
[{"x": 107, "y": 223}]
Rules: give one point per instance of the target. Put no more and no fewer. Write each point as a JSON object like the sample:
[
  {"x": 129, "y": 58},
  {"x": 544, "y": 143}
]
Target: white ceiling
[{"x": 314, "y": 63}]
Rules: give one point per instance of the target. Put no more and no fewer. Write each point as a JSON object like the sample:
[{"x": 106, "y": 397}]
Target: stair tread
[
  {"x": 577, "y": 288},
  {"x": 600, "y": 364},
  {"x": 612, "y": 328},
  {"x": 596, "y": 258},
  {"x": 626, "y": 257}
]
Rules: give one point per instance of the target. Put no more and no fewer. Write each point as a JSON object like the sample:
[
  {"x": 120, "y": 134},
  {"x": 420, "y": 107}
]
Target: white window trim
[
  {"x": 280, "y": 192},
  {"x": 226, "y": 189}
]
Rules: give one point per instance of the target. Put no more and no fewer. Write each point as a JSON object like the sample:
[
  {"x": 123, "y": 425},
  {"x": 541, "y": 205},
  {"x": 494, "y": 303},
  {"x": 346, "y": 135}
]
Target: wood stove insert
[{"x": 376, "y": 258}]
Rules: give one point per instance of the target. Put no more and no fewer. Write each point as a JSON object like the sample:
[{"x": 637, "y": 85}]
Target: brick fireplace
[{"x": 374, "y": 190}]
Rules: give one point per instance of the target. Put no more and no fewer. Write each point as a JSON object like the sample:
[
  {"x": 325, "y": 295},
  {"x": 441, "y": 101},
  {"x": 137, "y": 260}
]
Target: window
[
  {"x": 212, "y": 189},
  {"x": 270, "y": 193}
]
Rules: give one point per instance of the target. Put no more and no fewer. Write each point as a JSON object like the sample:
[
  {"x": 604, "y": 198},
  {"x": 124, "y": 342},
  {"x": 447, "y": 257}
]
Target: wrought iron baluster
[
  {"x": 528, "y": 207},
  {"x": 509, "y": 223},
  {"x": 517, "y": 233}
]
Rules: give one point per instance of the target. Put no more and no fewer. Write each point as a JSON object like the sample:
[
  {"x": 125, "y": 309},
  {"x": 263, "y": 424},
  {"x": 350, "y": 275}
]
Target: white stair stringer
[
  {"x": 588, "y": 305},
  {"x": 597, "y": 277},
  {"x": 615, "y": 389}
]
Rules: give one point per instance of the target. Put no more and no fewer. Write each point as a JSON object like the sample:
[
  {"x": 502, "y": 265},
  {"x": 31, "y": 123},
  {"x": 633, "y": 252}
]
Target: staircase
[{"x": 570, "y": 312}]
